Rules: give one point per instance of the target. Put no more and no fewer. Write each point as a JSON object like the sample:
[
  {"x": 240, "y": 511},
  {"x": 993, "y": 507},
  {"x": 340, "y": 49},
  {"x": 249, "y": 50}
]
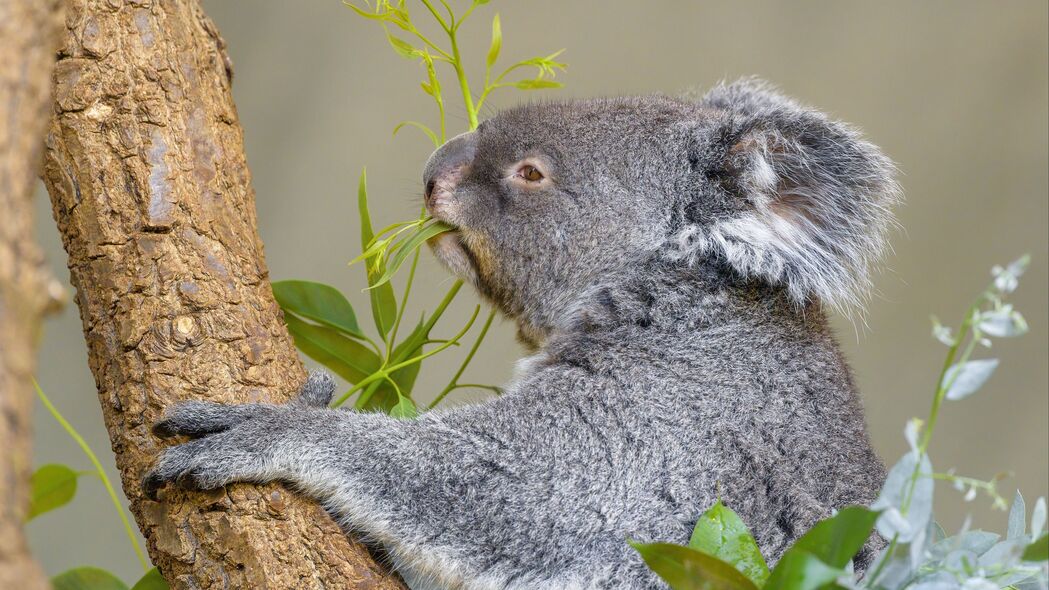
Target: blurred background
[{"x": 956, "y": 93}]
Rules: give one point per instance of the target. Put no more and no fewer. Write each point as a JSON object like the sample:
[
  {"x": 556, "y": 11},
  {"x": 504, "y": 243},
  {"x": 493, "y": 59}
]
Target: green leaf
[
  {"x": 406, "y": 247},
  {"x": 348, "y": 358},
  {"x": 321, "y": 303},
  {"x": 1037, "y": 551},
  {"x": 87, "y": 578},
  {"x": 53, "y": 486},
  {"x": 836, "y": 540},
  {"x": 687, "y": 569},
  {"x": 383, "y": 300},
  {"x": 404, "y": 410},
  {"x": 721, "y": 533},
  {"x": 402, "y": 47},
  {"x": 497, "y": 41},
  {"x": 151, "y": 581},
  {"x": 537, "y": 84},
  {"x": 800, "y": 570}
]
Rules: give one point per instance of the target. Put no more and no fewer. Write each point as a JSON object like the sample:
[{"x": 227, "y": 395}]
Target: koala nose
[{"x": 446, "y": 166}]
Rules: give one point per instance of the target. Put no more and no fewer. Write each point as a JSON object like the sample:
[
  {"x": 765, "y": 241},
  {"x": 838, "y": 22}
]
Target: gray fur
[{"x": 680, "y": 349}]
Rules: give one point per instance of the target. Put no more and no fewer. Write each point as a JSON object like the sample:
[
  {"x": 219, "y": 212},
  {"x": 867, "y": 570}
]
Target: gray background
[{"x": 955, "y": 92}]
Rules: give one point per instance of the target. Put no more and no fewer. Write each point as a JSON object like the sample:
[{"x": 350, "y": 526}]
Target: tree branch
[
  {"x": 152, "y": 195},
  {"x": 29, "y": 33}
]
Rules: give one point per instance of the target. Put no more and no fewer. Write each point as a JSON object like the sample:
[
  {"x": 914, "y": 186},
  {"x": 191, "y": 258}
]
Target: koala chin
[{"x": 669, "y": 262}]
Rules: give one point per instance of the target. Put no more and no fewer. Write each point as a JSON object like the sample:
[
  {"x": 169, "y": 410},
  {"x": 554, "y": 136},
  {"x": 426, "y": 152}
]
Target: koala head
[{"x": 553, "y": 202}]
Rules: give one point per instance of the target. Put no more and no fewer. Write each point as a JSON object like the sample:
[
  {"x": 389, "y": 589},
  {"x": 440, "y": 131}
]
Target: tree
[
  {"x": 152, "y": 195},
  {"x": 29, "y": 32}
]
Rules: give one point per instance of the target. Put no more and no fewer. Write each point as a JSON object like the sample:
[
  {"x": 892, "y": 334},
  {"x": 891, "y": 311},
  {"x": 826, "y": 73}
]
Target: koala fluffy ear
[{"x": 811, "y": 198}]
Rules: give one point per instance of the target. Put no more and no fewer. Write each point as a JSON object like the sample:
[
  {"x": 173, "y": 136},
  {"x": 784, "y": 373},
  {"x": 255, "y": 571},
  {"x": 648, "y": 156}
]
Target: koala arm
[{"x": 446, "y": 494}]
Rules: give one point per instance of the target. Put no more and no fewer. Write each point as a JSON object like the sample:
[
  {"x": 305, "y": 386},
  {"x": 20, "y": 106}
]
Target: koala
[{"x": 669, "y": 263}]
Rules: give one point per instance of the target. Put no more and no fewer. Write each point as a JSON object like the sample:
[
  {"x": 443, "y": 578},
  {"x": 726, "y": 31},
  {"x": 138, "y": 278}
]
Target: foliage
[
  {"x": 383, "y": 371},
  {"x": 54, "y": 486},
  {"x": 919, "y": 556}
]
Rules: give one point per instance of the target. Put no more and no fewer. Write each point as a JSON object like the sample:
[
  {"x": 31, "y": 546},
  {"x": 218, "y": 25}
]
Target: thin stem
[
  {"x": 404, "y": 303},
  {"x": 454, "y": 382},
  {"x": 941, "y": 387},
  {"x": 438, "y": 16},
  {"x": 438, "y": 312},
  {"x": 464, "y": 86},
  {"x": 384, "y": 373},
  {"x": 99, "y": 471}
]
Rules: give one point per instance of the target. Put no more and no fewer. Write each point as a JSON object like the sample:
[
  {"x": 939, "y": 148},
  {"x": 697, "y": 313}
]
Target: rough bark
[
  {"x": 152, "y": 195},
  {"x": 29, "y": 33}
]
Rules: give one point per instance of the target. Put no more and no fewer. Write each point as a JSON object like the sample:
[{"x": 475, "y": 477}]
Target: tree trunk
[
  {"x": 148, "y": 180},
  {"x": 29, "y": 34}
]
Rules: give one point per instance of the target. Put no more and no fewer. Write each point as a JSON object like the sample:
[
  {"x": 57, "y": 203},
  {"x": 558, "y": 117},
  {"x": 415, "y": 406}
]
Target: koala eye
[{"x": 530, "y": 173}]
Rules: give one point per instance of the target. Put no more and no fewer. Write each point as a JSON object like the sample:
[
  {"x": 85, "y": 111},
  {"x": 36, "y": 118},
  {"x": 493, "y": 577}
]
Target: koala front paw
[{"x": 232, "y": 442}]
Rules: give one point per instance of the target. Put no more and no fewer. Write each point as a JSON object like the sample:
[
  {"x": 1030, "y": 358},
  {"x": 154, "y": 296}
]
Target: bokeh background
[{"x": 955, "y": 92}]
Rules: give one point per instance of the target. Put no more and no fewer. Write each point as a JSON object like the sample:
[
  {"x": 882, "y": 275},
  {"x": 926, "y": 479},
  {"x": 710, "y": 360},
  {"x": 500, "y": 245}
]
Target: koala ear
[{"x": 811, "y": 198}]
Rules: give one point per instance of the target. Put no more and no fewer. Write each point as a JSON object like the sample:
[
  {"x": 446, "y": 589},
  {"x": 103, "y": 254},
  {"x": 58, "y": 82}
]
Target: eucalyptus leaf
[
  {"x": 346, "y": 357},
  {"x": 1017, "y": 518},
  {"x": 684, "y": 568},
  {"x": 801, "y": 570},
  {"x": 721, "y": 533},
  {"x": 1037, "y": 551},
  {"x": 407, "y": 247},
  {"x": 1038, "y": 516},
  {"x": 497, "y": 41},
  {"x": 87, "y": 578},
  {"x": 151, "y": 581},
  {"x": 321, "y": 303},
  {"x": 537, "y": 84},
  {"x": 383, "y": 300},
  {"x": 895, "y": 520},
  {"x": 402, "y": 47},
  {"x": 1002, "y": 323},
  {"x": 836, "y": 540},
  {"x": 52, "y": 486},
  {"x": 404, "y": 410},
  {"x": 965, "y": 379}
]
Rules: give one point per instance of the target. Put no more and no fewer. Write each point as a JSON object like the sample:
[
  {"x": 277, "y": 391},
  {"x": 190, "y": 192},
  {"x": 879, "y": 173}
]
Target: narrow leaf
[
  {"x": 426, "y": 130},
  {"x": 965, "y": 379},
  {"x": 87, "y": 578},
  {"x": 53, "y": 486},
  {"x": 347, "y": 358},
  {"x": 321, "y": 303},
  {"x": 383, "y": 300},
  {"x": 537, "y": 84},
  {"x": 497, "y": 41},
  {"x": 151, "y": 581},
  {"x": 684, "y": 568},
  {"x": 721, "y": 533},
  {"x": 1017, "y": 518},
  {"x": 408, "y": 246}
]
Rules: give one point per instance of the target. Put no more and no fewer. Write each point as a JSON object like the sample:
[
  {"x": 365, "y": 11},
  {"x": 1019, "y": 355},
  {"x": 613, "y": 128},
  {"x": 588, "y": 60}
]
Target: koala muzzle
[{"x": 445, "y": 167}]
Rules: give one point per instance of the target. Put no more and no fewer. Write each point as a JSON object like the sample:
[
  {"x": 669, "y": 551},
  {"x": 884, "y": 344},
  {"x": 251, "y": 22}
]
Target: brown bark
[
  {"x": 152, "y": 195},
  {"x": 29, "y": 33}
]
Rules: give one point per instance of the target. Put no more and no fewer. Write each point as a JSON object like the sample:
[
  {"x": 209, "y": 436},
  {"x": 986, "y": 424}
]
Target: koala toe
[
  {"x": 174, "y": 464},
  {"x": 318, "y": 389},
  {"x": 200, "y": 418}
]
